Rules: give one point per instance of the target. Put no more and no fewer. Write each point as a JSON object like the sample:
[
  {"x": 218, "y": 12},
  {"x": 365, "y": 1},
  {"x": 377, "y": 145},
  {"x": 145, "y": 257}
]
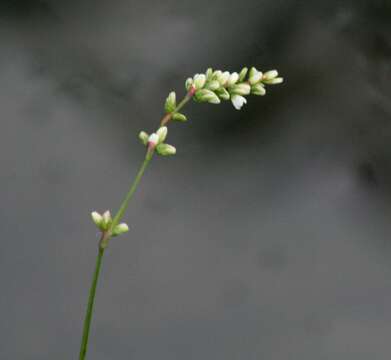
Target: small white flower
[
  {"x": 238, "y": 101},
  {"x": 233, "y": 78},
  {"x": 223, "y": 77},
  {"x": 254, "y": 76},
  {"x": 153, "y": 139},
  {"x": 199, "y": 81}
]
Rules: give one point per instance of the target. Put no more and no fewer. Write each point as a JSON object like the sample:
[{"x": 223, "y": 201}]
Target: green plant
[{"x": 211, "y": 87}]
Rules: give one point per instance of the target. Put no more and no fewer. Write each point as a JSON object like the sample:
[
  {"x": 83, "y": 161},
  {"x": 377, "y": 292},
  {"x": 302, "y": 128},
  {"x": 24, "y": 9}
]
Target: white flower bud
[
  {"x": 277, "y": 80},
  {"x": 170, "y": 102},
  {"x": 120, "y": 229},
  {"x": 143, "y": 136},
  {"x": 188, "y": 83},
  {"x": 106, "y": 220},
  {"x": 209, "y": 73},
  {"x": 216, "y": 74},
  {"x": 223, "y": 78},
  {"x": 153, "y": 139},
  {"x": 258, "y": 89},
  {"x": 241, "y": 89},
  {"x": 238, "y": 101},
  {"x": 222, "y": 93},
  {"x": 162, "y": 134},
  {"x": 271, "y": 74},
  {"x": 233, "y": 78},
  {"x": 199, "y": 81},
  {"x": 254, "y": 76},
  {"x": 214, "y": 99},
  {"x": 213, "y": 85},
  {"x": 165, "y": 149},
  {"x": 204, "y": 95},
  {"x": 97, "y": 218}
]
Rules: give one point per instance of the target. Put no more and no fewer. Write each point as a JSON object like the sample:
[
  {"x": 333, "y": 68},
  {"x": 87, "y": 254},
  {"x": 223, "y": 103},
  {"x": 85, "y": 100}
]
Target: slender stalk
[
  {"x": 90, "y": 305},
  {"x": 120, "y": 213},
  {"x": 106, "y": 235},
  {"x": 103, "y": 244}
]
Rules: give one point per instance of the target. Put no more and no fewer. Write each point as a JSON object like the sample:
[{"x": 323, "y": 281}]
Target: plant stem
[
  {"x": 103, "y": 244},
  {"x": 106, "y": 235},
  {"x": 90, "y": 306},
  {"x": 120, "y": 213}
]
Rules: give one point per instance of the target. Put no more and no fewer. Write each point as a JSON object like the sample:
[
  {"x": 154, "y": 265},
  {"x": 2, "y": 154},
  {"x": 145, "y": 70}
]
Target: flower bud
[
  {"x": 205, "y": 95},
  {"x": 254, "y": 76},
  {"x": 170, "y": 102},
  {"x": 120, "y": 229},
  {"x": 143, "y": 136},
  {"x": 238, "y": 101},
  {"x": 199, "y": 81},
  {"x": 241, "y": 89},
  {"x": 213, "y": 85},
  {"x": 223, "y": 78},
  {"x": 165, "y": 149},
  {"x": 233, "y": 78},
  {"x": 179, "y": 117},
  {"x": 153, "y": 139},
  {"x": 209, "y": 73},
  {"x": 242, "y": 74},
  {"x": 277, "y": 80},
  {"x": 106, "y": 220},
  {"x": 162, "y": 134},
  {"x": 258, "y": 89},
  {"x": 222, "y": 93},
  {"x": 188, "y": 83},
  {"x": 271, "y": 74},
  {"x": 97, "y": 218}
]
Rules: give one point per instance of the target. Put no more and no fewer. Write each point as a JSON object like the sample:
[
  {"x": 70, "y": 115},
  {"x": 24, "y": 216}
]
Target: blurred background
[{"x": 268, "y": 236}]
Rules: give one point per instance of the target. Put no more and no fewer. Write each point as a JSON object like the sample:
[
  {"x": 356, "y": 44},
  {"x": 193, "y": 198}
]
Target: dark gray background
[{"x": 266, "y": 237}]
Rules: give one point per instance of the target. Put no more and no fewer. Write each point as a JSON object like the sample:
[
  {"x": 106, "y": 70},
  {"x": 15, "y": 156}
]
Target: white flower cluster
[
  {"x": 214, "y": 86},
  {"x": 104, "y": 221},
  {"x": 156, "y": 141}
]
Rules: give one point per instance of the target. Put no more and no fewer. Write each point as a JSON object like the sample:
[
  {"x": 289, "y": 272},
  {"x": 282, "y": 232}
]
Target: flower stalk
[{"x": 211, "y": 87}]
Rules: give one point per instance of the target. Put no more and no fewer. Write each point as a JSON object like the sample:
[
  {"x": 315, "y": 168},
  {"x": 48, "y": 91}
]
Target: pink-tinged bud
[{"x": 153, "y": 139}]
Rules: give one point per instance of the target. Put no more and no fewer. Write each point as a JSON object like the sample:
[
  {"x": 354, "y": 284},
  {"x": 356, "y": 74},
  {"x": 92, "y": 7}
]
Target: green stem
[
  {"x": 120, "y": 213},
  {"x": 183, "y": 102},
  {"x": 103, "y": 244},
  {"x": 106, "y": 235},
  {"x": 90, "y": 306}
]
